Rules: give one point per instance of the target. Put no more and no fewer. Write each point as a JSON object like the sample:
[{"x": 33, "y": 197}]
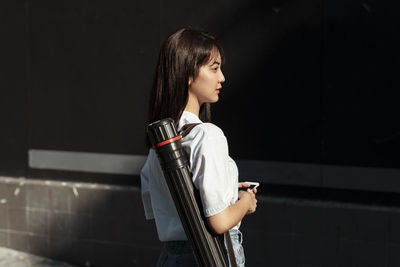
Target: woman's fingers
[
  {"x": 253, "y": 203},
  {"x": 243, "y": 184}
]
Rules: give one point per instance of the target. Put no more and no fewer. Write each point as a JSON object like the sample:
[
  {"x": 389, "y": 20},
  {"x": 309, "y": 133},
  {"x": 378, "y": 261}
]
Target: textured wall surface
[
  {"x": 104, "y": 225},
  {"x": 84, "y": 224}
]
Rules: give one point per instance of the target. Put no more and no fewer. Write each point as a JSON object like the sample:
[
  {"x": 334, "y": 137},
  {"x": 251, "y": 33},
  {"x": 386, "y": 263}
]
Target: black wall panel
[
  {"x": 360, "y": 103},
  {"x": 14, "y": 88},
  {"x": 92, "y": 65},
  {"x": 306, "y": 81}
]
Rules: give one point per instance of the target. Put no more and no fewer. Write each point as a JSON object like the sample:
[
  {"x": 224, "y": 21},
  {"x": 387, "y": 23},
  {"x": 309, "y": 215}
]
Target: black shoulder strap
[{"x": 185, "y": 130}]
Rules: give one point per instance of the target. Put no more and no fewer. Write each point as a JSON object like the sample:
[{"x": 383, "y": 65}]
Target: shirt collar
[{"x": 188, "y": 117}]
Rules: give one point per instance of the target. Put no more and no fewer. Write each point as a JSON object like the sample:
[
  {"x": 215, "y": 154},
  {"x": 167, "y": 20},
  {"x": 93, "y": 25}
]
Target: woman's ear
[{"x": 190, "y": 81}]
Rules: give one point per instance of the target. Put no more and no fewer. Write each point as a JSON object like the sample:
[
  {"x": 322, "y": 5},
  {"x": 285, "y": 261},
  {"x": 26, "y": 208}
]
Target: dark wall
[
  {"x": 313, "y": 80},
  {"x": 14, "y": 89},
  {"x": 83, "y": 224},
  {"x": 91, "y": 68},
  {"x": 104, "y": 226}
]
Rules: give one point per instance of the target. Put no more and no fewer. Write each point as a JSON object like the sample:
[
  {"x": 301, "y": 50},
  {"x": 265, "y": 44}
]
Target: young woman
[{"x": 188, "y": 78}]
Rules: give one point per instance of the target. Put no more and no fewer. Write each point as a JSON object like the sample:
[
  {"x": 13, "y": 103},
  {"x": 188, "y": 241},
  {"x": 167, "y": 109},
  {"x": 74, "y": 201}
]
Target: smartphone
[{"x": 252, "y": 185}]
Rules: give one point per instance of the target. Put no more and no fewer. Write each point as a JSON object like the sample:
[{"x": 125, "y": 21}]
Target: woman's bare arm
[{"x": 232, "y": 214}]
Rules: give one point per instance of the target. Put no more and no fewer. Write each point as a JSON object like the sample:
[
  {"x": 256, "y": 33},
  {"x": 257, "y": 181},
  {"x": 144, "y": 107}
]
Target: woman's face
[{"x": 206, "y": 86}]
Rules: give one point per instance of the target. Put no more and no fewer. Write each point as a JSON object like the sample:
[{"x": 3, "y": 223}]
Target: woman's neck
[{"x": 193, "y": 105}]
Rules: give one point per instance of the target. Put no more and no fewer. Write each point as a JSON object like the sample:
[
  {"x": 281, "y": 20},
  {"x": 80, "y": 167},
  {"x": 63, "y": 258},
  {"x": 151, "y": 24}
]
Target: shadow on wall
[{"x": 80, "y": 223}]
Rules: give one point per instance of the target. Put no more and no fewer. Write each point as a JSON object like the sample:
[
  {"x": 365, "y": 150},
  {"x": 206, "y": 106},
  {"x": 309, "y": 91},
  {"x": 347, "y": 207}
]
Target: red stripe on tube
[{"x": 163, "y": 143}]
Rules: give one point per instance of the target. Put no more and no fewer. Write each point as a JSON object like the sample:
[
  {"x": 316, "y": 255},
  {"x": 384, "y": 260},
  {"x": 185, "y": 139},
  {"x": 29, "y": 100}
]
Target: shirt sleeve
[
  {"x": 209, "y": 159},
  {"x": 146, "y": 197}
]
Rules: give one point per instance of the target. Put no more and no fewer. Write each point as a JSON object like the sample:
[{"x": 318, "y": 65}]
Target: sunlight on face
[{"x": 206, "y": 86}]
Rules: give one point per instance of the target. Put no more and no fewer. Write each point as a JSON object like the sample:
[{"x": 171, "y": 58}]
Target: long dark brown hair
[{"x": 181, "y": 56}]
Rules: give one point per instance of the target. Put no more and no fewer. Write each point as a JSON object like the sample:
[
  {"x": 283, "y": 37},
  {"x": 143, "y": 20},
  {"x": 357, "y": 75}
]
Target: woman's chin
[{"x": 215, "y": 99}]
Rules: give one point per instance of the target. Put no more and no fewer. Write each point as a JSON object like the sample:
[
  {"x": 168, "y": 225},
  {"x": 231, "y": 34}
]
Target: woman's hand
[
  {"x": 231, "y": 215},
  {"x": 250, "y": 198},
  {"x": 245, "y": 185}
]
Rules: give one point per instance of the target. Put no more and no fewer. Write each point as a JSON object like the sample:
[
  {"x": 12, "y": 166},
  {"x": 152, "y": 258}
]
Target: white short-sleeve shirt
[{"x": 214, "y": 174}]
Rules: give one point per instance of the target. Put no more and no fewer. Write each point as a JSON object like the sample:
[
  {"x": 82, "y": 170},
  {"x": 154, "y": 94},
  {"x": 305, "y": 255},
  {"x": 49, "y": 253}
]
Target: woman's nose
[{"x": 221, "y": 78}]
